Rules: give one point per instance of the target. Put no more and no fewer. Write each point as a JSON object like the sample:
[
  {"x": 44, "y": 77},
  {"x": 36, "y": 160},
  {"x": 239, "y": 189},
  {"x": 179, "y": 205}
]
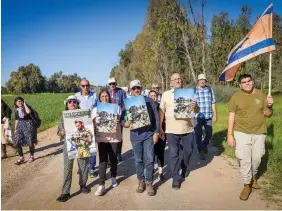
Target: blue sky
[
  {"x": 108, "y": 107},
  {"x": 83, "y": 36},
  {"x": 138, "y": 100}
]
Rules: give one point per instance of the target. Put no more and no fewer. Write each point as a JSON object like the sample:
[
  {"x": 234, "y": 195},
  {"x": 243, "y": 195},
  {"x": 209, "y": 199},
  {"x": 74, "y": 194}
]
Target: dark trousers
[
  {"x": 159, "y": 152},
  {"x": 120, "y": 143},
  {"x": 144, "y": 158},
  {"x": 107, "y": 150},
  {"x": 198, "y": 127},
  {"x": 92, "y": 164},
  {"x": 180, "y": 150}
]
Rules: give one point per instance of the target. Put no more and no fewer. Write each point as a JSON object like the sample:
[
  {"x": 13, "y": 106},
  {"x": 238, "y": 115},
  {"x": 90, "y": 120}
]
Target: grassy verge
[{"x": 271, "y": 165}]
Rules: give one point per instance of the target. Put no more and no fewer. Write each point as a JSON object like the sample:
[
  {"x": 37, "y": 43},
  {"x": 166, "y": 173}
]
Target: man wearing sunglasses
[
  {"x": 179, "y": 133},
  {"x": 88, "y": 100},
  {"x": 143, "y": 140},
  {"x": 117, "y": 96}
]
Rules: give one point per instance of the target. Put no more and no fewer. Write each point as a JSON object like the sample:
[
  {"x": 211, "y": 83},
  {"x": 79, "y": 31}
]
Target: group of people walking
[{"x": 247, "y": 111}]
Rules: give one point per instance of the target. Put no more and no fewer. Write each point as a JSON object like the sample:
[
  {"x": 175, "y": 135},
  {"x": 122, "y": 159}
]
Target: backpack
[{"x": 35, "y": 118}]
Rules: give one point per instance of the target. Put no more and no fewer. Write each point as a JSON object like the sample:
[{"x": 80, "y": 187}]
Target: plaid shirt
[
  {"x": 205, "y": 98},
  {"x": 118, "y": 96}
]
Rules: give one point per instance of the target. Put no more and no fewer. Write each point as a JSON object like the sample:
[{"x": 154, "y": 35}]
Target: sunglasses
[
  {"x": 111, "y": 84},
  {"x": 136, "y": 87},
  {"x": 72, "y": 101},
  {"x": 82, "y": 85}
]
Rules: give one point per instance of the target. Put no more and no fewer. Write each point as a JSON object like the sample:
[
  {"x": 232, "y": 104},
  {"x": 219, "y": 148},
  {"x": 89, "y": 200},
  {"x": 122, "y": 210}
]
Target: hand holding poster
[
  {"x": 79, "y": 133},
  {"x": 136, "y": 111},
  {"x": 106, "y": 120},
  {"x": 183, "y": 103}
]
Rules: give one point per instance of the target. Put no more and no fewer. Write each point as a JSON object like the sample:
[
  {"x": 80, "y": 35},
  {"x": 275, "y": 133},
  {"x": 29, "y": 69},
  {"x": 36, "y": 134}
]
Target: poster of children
[{"x": 79, "y": 133}]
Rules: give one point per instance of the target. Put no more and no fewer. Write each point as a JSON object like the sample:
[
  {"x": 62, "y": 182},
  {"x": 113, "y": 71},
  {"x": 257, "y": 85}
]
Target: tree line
[
  {"x": 29, "y": 79},
  {"x": 175, "y": 38}
]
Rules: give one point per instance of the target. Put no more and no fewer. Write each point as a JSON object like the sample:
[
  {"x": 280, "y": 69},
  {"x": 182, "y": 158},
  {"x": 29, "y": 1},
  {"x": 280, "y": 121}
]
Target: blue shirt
[
  {"x": 87, "y": 102},
  {"x": 148, "y": 131},
  {"x": 205, "y": 98}
]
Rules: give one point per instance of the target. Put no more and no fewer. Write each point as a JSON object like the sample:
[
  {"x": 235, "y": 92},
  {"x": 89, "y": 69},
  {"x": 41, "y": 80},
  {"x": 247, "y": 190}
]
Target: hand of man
[
  {"x": 155, "y": 138},
  {"x": 63, "y": 132},
  {"x": 269, "y": 100},
  {"x": 230, "y": 140},
  {"x": 127, "y": 123},
  {"x": 214, "y": 118},
  {"x": 194, "y": 104}
]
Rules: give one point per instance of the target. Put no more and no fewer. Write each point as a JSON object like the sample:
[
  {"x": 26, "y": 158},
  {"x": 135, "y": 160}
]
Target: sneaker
[
  {"x": 141, "y": 186},
  {"x": 176, "y": 184},
  {"x": 63, "y": 197},
  {"x": 93, "y": 174},
  {"x": 100, "y": 191},
  {"x": 114, "y": 182},
  {"x": 84, "y": 190}
]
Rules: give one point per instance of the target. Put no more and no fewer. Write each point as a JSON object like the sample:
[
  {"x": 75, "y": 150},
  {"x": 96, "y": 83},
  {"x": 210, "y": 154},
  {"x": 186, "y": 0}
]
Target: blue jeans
[
  {"x": 92, "y": 164},
  {"x": 198, "y": 126},
  {"x": 144, "y": 158},
  {"x": 180, "y": 148}
]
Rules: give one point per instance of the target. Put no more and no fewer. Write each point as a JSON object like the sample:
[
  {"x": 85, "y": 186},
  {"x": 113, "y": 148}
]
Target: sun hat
[
  {"x": 202, "y": 77},
  {"x": 71, "y": 97}
]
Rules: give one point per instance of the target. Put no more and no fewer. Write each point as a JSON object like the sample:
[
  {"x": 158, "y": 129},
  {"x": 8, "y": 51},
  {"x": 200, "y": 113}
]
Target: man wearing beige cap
[{"x": 206, "y": 101}]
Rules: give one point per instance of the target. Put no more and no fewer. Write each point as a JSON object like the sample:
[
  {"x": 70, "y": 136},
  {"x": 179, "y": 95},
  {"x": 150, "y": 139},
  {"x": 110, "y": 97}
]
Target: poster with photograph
[
  {"x": 183, "y": 103},
  {"x": 106, "y": 119},
  {"x": 79, "y": 131},
  {"x": 136, "y": 111}
]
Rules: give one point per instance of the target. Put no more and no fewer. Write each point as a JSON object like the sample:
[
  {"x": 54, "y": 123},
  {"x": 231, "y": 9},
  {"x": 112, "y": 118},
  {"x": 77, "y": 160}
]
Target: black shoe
[
  {"x": 202, "y": 155},
  {"x": 205, "y": 150},
  {"x": 84, "y": 190},
  {"x": 162, "y": 177},
  {"x": 64, "y": 197},
  {"x": 176, "y": 184},
  {"x": 183, "y": 172}
]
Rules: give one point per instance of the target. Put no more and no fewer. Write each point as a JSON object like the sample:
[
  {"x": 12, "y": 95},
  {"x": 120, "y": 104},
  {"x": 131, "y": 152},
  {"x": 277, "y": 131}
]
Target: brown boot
[
  {"x": 244, "y": 195},
  {"x": 141, "y": 186},
  {"x": 255, "y": 184},
  {"x": 150, "y": 189}
]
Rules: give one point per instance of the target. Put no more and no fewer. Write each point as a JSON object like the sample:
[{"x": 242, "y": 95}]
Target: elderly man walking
[
  {"x": 207, "y": 114},
  {"x": 247, "y": 111},
  {"x": 179, "y": 133},
  {"x": 87, "y": 101},
  {"x": 117, "y": 96}
]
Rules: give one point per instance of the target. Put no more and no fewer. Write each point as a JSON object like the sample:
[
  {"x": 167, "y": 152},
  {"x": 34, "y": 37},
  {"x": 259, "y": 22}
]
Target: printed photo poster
[
  {"x": 183, "y": 103},
  {"x": 79, "y": 127},
  {"x": 106, "y": 119},
  {"x": 136, "y": 111}
]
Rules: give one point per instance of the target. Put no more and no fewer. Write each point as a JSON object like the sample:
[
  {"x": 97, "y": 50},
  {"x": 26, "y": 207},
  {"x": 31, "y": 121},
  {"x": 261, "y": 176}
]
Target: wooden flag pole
[{"x": 269, "y": 82}]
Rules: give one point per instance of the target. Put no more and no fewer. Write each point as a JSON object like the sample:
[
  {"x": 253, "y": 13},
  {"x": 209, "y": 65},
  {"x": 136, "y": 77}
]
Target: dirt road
[{"x": 211, "y": 184}]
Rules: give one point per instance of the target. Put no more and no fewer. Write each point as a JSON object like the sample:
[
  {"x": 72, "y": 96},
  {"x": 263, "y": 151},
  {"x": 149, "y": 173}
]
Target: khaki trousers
[{"x": 249, "y": 150}]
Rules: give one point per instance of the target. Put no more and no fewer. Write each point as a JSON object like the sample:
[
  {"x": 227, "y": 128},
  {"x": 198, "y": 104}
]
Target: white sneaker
[
  {"x": 114, "y": 182},
  {"x": 100, "y": 191}
]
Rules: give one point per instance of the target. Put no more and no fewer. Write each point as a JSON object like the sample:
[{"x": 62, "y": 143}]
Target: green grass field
[
  {"x": 271, "y": 166},
  {"x": 50, "y": 107}
]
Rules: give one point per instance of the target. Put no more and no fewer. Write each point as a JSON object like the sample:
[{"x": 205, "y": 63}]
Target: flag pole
[{"x": 269, "y": 82}]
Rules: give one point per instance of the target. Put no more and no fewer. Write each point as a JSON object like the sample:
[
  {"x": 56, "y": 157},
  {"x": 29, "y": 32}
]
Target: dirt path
[{"x": 212, "y": 184}]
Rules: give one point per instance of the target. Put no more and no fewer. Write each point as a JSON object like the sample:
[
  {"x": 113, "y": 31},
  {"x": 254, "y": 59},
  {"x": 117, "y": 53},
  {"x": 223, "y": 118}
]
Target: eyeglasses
[
  {"x": 83, "y": 85},
  {"x": 136, "y": 87},
  {"x": 112, "y": 84},
  {"x": 72, "y": 101}
]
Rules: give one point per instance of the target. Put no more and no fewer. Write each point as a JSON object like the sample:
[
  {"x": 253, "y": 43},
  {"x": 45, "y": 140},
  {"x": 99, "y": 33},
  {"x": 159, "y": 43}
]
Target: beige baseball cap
[
  {"x": 135, "y": 83},
  {"x": 202, "y": 77}
]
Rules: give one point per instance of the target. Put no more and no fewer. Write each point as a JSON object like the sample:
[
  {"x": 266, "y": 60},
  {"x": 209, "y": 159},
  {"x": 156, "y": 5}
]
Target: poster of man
[
  {"x": 183, "y": 103},
  {"x": 79, "y": 133}
]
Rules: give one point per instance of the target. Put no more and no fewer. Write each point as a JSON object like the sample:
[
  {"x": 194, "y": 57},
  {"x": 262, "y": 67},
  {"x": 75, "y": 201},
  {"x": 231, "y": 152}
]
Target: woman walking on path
[
  {"x": 107, "y": 147},
  {"x": 72, "y": 103},
  {"x": 25, "y": 129},
  {"x": 160, "y": 145}
]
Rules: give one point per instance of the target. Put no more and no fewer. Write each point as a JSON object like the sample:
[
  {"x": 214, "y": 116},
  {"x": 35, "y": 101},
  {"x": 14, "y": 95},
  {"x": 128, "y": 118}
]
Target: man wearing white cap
[
  {"x": 206, "y": 101},
  {"x": 88, "y": 100},
  {"x": 117, "y": 96},
  {"x": 143, "y": 140}
]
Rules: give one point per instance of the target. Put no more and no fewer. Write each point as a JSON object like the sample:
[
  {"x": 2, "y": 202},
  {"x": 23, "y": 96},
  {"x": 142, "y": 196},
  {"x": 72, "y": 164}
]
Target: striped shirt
[{"x": 205, "y": 98}]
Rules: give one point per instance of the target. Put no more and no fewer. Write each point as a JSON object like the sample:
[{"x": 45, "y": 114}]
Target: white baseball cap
[
  {"x": 135, "y": 83},
  {"x": 111, "y": 80},
  {"x": 202, "y": 77}
]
